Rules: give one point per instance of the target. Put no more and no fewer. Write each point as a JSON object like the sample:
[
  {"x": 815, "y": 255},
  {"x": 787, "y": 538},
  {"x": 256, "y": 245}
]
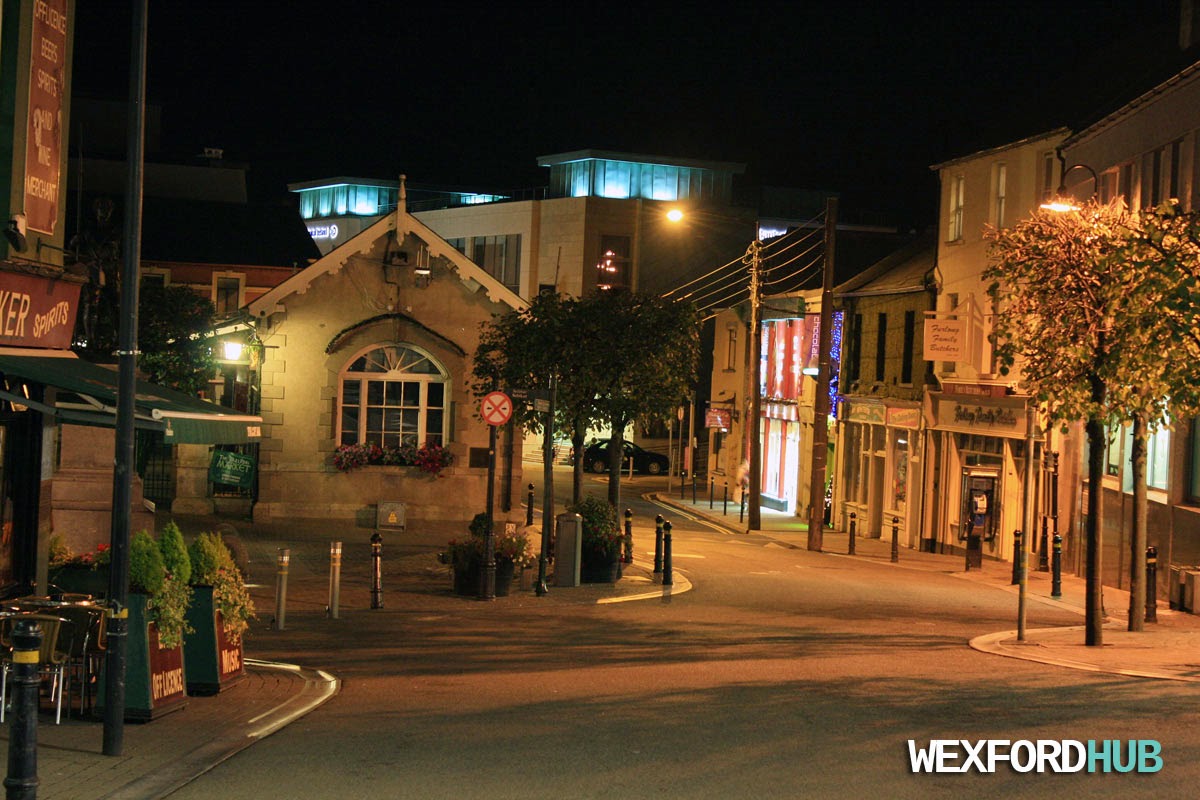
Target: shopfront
[
  {"x": 979, "y": 436},
  {"x": 881, "y": 455}
]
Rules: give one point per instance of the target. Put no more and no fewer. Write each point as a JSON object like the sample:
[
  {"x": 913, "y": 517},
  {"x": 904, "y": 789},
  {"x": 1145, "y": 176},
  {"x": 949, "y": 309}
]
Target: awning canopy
[{"x": 87, "y": 395}]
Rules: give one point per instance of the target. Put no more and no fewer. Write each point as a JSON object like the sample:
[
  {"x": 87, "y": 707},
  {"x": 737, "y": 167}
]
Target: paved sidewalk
[{"x": 1168, "y": 649}]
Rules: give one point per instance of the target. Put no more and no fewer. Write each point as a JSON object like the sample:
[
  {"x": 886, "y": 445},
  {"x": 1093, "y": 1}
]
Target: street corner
[{"x": 641, "y": 583}]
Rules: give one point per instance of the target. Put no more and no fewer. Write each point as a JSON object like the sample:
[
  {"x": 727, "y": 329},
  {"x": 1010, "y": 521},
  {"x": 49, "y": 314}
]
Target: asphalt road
[{"x": 782, "y": 673}]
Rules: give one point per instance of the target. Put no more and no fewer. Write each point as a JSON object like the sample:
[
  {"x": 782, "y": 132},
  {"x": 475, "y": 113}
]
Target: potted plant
[
  {"x": 85, "y": 573},
  {"x": 466, "y": 557},
  {"x": 600, "y": 555},
  {"x": 158, "y": 601},
  {"x": 218, "y": 616}
]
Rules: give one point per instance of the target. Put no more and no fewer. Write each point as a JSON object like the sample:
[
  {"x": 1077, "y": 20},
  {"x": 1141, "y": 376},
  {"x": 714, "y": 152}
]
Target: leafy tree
[{"x": 1078, "y": 297}]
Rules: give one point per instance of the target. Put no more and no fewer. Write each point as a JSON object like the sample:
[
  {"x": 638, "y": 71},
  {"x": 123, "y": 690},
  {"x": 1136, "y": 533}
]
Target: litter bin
[{"x": 568, "y": 544}]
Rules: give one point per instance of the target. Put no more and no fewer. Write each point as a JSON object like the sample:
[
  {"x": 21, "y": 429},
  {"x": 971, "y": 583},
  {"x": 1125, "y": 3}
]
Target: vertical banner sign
[{"x": 43, "y": 140}]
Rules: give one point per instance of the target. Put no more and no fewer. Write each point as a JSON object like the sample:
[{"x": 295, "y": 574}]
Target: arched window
[{"x": 391, "y": 396}]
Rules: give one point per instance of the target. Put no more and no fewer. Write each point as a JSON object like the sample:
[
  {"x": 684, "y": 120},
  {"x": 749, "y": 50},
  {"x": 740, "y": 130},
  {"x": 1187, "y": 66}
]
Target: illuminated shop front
[
  {"x": 978, "y": 435},
  {"x": 881, "y": 463}
]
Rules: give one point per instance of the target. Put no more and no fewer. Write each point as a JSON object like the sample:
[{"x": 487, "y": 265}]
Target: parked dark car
[{"x": 595, "y": 459}]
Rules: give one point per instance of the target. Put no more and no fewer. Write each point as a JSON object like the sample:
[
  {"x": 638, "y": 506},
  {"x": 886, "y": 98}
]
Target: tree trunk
[
  {"x": 616, "y": 457},
  {"x": 1093, "y": 609},
  {"x": 578, "y": 434},
  {"x": 1137, "y": 544}
]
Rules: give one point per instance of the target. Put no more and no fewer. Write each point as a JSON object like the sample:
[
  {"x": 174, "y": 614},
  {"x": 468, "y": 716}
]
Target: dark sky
[{"x": 854, "y": 97}]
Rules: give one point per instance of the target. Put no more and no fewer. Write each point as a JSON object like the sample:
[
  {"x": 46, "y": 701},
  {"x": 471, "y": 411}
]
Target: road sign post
[{"x": 496, "y": 409}]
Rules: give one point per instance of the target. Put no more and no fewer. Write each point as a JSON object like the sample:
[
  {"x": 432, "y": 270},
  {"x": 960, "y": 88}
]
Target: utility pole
[
  {"x": 753, "y": 257},
  {"x": 820, "y": 443}
]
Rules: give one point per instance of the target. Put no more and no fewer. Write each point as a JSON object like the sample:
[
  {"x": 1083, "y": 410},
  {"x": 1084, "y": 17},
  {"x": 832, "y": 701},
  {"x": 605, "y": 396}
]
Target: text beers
[{"x": 1041, "y": 755}]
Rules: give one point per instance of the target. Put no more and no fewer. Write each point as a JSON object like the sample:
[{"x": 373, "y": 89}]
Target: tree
[
  {"x": 647, "y": 349},
  {"x": 1057, "y": 289}
]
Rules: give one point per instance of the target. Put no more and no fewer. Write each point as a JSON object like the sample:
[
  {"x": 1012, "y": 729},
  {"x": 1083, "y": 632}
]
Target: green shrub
[
  {"x": 175, "y": 553},
  {"x": 147, "y": 573},
  {"x": 213, "y": 565},
  {"x": 601, "y": 530},
  {"x": 208, "y": 554}
]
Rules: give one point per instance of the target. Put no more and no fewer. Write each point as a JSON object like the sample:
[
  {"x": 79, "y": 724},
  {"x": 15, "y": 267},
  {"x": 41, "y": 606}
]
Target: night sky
[{"x": 859, "y": 98}]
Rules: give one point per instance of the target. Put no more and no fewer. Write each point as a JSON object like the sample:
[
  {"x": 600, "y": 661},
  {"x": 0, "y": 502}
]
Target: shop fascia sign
[{"x": 37, "y": 311}]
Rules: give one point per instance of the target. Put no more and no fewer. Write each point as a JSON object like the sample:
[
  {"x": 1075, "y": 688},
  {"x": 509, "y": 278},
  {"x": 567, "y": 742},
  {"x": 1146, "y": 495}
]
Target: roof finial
[{"x": 402, "y": 205}]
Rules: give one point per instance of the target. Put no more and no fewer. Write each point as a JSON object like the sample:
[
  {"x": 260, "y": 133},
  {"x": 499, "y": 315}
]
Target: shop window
[
  {"x": 392, "y": 396},
  {"x": 899, "y": 483}
]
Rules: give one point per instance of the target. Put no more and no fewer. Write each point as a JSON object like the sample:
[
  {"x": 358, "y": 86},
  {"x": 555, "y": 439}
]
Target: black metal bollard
[
  {"x": 712, "y": 491},
  {"x": 895, "y": 539},
  {"x": 693, "y": 487},
  {"x": 668, "y": 577},
  {"x": 1151, "y": 584},
  {"x": 628, "y": 536},
  {"x": 853, "y": 530},
  {"x": 376, "y": 570},
  {"x": 529, "y": 507},
  {"x": 725, "y": 500},
  {"x": 1056, "y": 568},
  {"x": 658, "y": 543},
  {"x": 1018, "y": 542},
  {"x": 22, "y": 780},
  {"x": 683, "y": 485},
  {"x": 1043, "y": 554},
  {"x": 742, "y": 507}
]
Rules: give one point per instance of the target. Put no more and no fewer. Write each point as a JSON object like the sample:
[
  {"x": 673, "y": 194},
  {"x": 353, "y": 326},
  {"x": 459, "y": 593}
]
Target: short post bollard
[
  {"x": 529, "y": 507},
  {"x": 335, "y": 578},
  {"x": 1018, "y": 544},
  {"x": 376, "y": 570},
  {"x": 853, "y": 530},
  {"x": 668, "y": 576},
  {"x": 658, "y": 544},
  {"x": 1151, "y": 584},
  {"x": 628, "y": 536},
  {"x": 1043, "y": 547},
  {"x": 725, "y": 500},
  {"x": 1056, "y": 568},
  {"x": 712, "y": 490},
  {"x": 742, "y": 507},
  {"x": 683, "y": 485},
  {"x": 693, "y": 487},
  {"x": 895, "y": 539},
  {"x": 22, "y": 779},
  {"x": 281, "y": 575}
]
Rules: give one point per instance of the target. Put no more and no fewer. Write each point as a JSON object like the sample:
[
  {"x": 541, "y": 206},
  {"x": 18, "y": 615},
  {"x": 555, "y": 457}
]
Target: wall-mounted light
[{"x": 233, "y": 351}]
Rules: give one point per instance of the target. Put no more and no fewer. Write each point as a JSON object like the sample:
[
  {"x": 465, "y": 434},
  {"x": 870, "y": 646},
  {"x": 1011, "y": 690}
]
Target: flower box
[
  {"x": 154, "y": 675},
  {"x": 214, "y": 662}
]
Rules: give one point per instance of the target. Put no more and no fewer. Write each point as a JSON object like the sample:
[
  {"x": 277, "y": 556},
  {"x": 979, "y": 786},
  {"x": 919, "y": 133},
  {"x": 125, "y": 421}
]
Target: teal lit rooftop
[{"x": 602, "y": 173}]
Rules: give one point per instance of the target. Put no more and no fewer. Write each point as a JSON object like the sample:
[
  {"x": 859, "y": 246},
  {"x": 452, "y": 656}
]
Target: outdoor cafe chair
[
  {"x": 90, "y": 623},
  {"x": 57, "y": 635}
]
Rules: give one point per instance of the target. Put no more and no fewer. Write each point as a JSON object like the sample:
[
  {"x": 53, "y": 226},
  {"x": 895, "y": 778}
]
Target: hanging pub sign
[
  {"x": 36, "y": 311},
  {"x": 719, "y": 418},
  {"x": 231, "y": 469}
]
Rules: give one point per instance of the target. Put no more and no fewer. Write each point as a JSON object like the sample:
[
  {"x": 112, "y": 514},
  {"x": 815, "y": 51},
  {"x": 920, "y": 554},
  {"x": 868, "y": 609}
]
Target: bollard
[
  {"x": 22, "y": 779},
  {"x": 693, "y": 487},
  {"x": 895, "y": 539},
  {"x": 742, "y": 507},
  {"x": 281, "y": 575},
  {"x": 335, "y": 578},
  {"x": 376, "y": 570},
  {"x": 1056, "y": 568},
  {"x": 529, "y": 507},
  {"x": 683, "y": 485},
  {"x": 1151, "y": 584},
  {"x": 853, "y": 530},
  {"x": 1043, "y": 548},
  {"x": 628, "y": 536},
  {"x": 658, "y": 543},
  {"x": 1018, "y": 541},
  {"x": 725, "y": 500},
  {"x": 712, "y": 490},
  {"x": 668, "y": 577}
]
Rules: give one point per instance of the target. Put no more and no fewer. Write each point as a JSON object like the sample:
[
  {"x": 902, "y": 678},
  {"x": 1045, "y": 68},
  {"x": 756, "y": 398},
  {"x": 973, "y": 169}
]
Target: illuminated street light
[{"x": 1062, "y": 201}]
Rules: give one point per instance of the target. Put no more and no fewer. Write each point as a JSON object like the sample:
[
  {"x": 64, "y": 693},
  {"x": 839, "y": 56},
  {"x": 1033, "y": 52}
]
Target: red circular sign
[{"x": 496, "y": 408}]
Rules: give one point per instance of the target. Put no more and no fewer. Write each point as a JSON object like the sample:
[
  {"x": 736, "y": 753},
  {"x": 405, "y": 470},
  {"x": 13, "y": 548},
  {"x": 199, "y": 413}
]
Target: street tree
[
  {"x": 647, "y": 350},
  {"x": 1057, "y": 289}
]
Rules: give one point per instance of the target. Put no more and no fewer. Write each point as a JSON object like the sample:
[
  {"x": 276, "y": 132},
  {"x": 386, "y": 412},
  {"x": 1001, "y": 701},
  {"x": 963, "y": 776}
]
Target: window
[
  {"x": 910, "y": 332},
  {"x": 957, "y": 193},
  {"x": 1047, "y": 177},
  {"x": 1194, "y": 463},
  {"x": 500, "y": 257},
  {"x": 854, "y": 356},
  {"x": 731, "y": 349},
  {"x": 881, "y": 347},
  {"x": 1000, "y": 191},
  {"x": 227, "y": 293},
  {"x": 154, "y": 279},
  {"x": 1120, "y": 450},
  {"x": 613, "y": 267},
  {"x": 391, "y": 396}
]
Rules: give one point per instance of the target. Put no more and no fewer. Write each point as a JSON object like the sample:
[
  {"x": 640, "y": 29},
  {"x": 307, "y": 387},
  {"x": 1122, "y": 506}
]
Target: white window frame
[
  {"x": 999, "y": 193},
  {"x": 957, "y": 196},
  {"x": 396, "y": 364}
]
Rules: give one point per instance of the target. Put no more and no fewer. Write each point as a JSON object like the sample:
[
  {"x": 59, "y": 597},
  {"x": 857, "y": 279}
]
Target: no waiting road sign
[{"x": 496, "y": 408}]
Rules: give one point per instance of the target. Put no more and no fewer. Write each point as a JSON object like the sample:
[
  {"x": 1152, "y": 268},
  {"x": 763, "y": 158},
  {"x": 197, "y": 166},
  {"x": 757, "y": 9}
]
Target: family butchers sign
[
  {"x": 945, "y": 340},
  {"x": 37, "y": 311}
]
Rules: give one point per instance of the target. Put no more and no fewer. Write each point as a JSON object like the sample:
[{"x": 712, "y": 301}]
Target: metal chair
[
  {"x": 90, "y": 623},
  {"x": 57, "y": 635}
]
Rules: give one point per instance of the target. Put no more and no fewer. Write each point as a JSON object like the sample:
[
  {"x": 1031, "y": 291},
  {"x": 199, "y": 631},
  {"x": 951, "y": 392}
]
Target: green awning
[{"x": 87, "y": 395}]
